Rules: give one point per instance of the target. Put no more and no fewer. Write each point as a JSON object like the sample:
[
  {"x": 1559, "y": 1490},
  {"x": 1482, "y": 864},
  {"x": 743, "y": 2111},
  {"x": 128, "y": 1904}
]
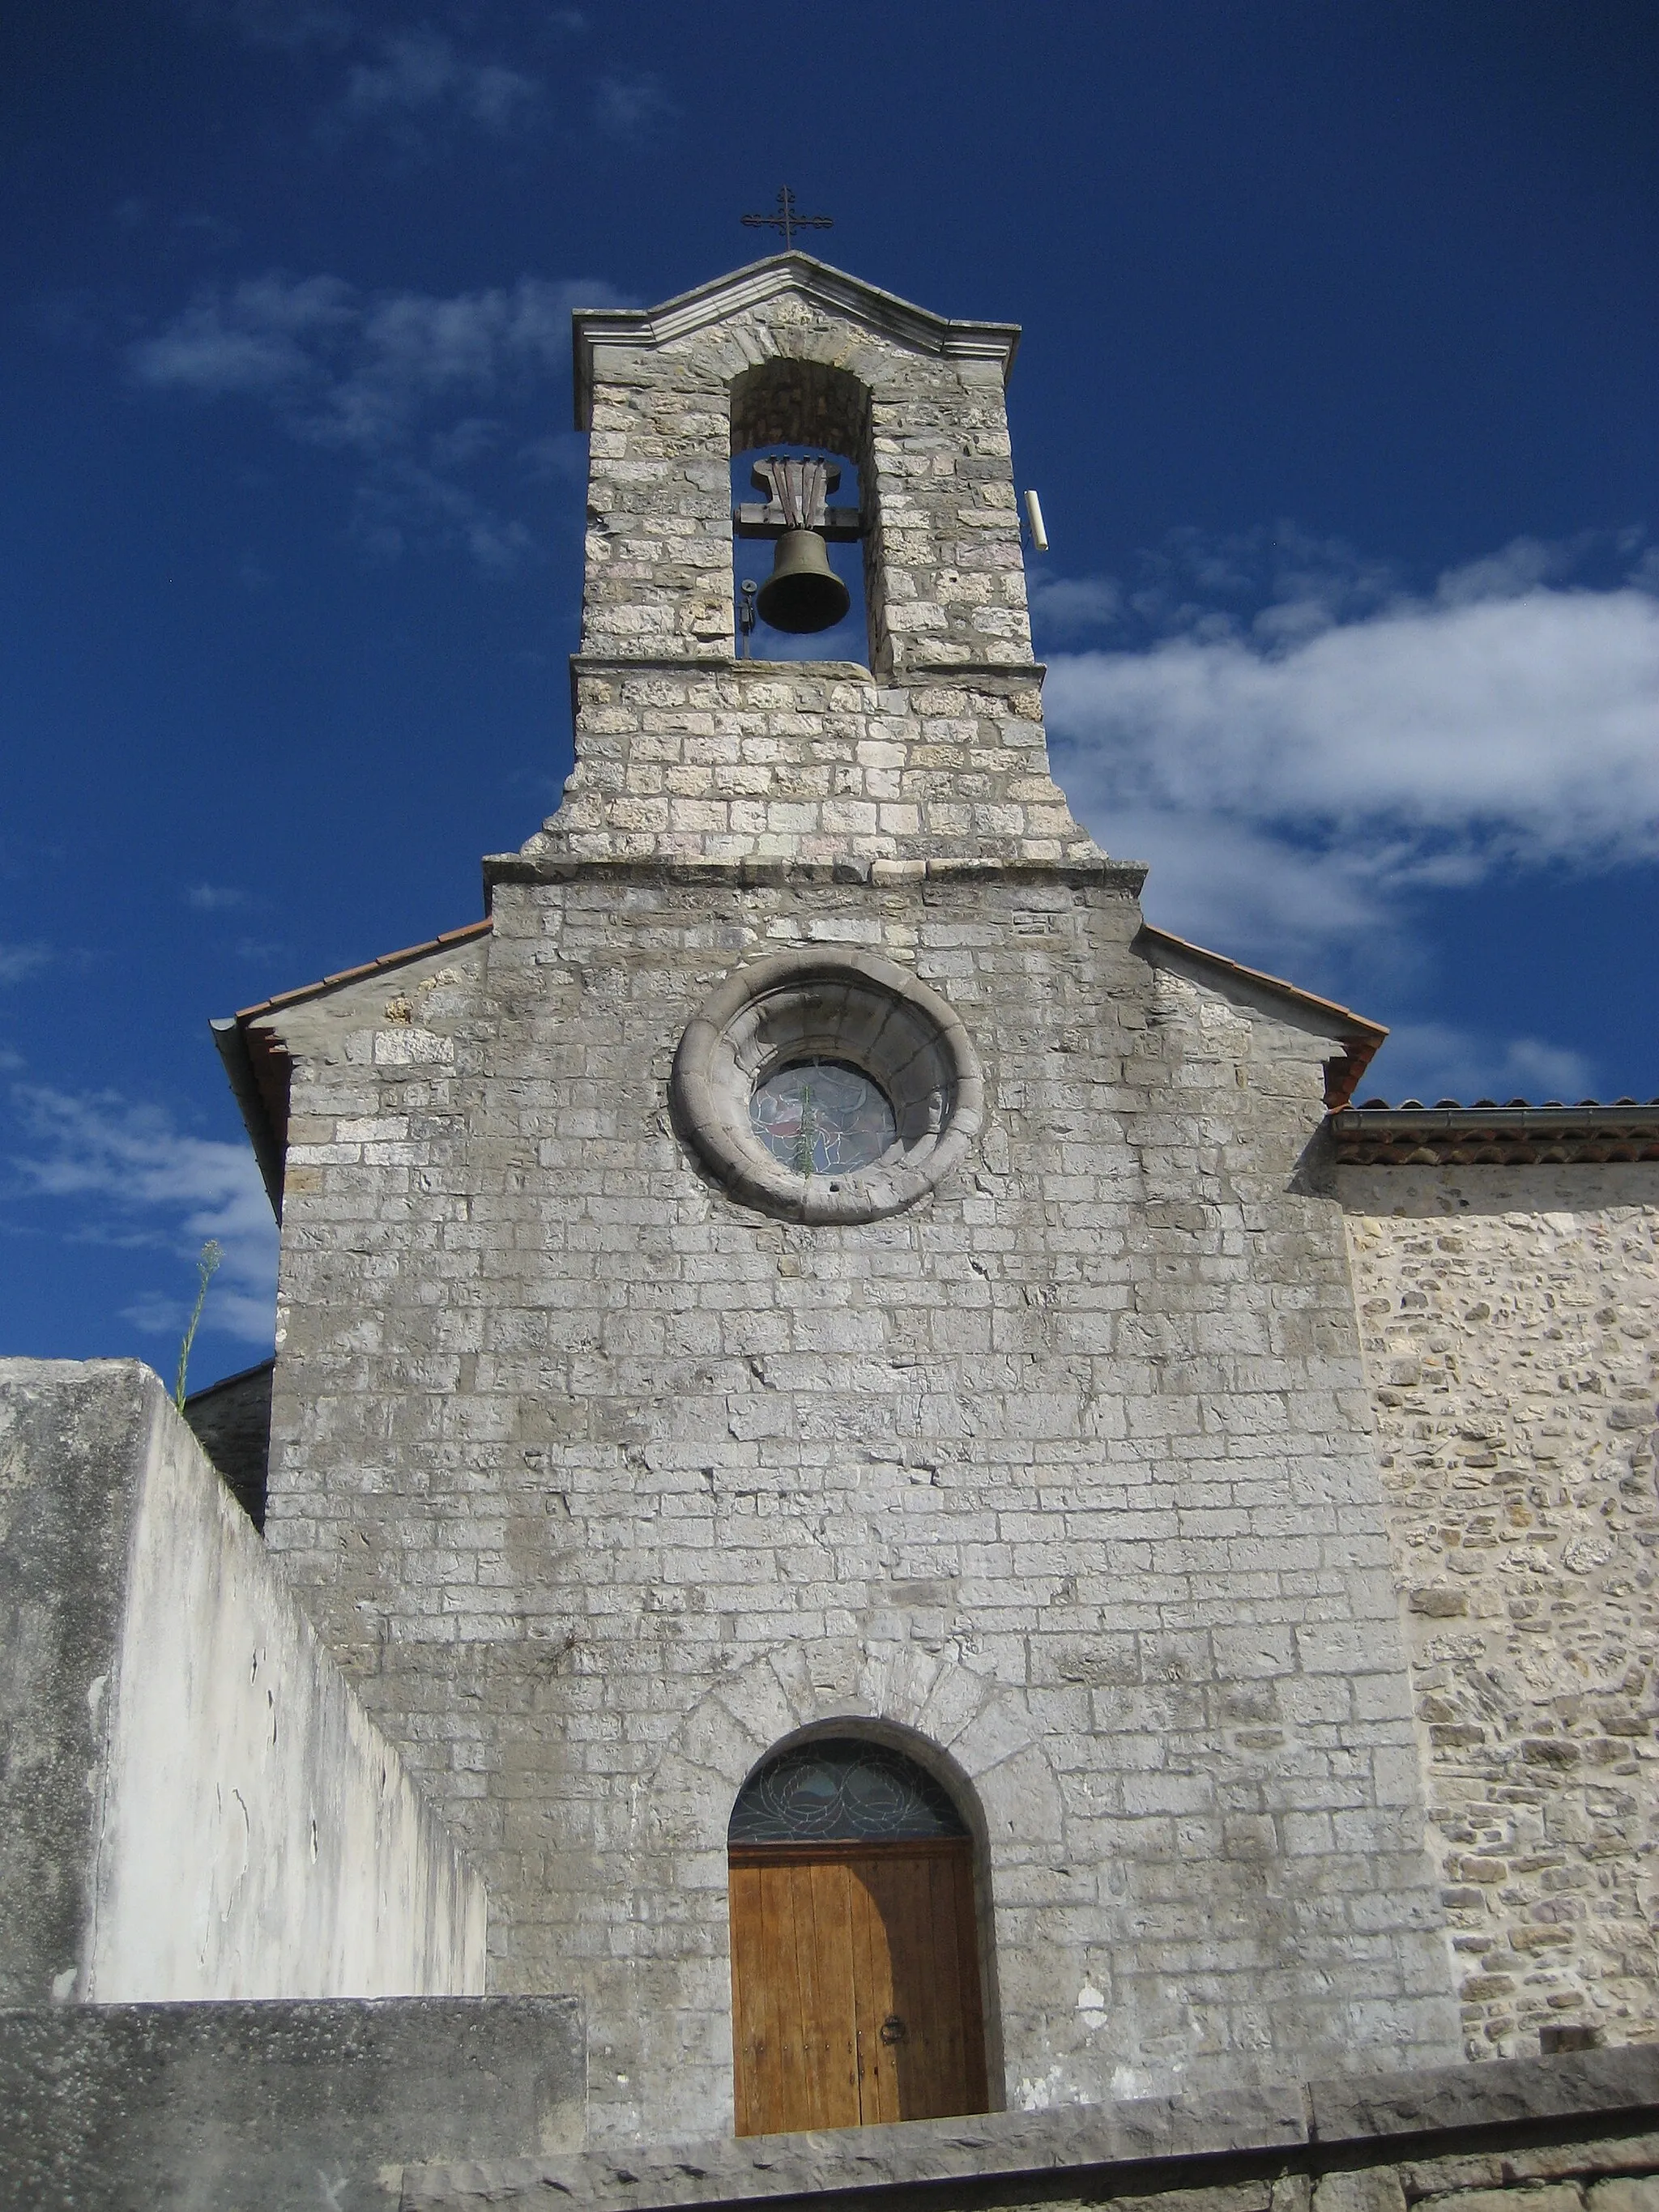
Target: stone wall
[
  {"x": 1510, "y": 1323},
  {"x": 811, "y": 763},
  {"x": 285, "y": 2107},
  {"x": 1565, "y": 2135},
  {"x": 599, "y": 1484},
  {"x": 195, "y": 1805}
]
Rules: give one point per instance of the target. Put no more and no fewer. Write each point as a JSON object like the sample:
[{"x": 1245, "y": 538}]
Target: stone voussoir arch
[
  {"x": 979, "y": 1737},
  {"x": 985, "y": 1740}
]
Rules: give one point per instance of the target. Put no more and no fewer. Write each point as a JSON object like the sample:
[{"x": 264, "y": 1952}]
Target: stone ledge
[
  {"x": 1126, "y": 876},
  {"x": 1501, "y": 2093},
  {"x": 1010, "y": 2147},
  {"x": 1148, "y": 2146}
]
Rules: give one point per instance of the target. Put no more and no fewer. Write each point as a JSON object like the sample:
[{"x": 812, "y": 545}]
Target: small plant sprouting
[
  {"x": 805, "y": 1133},
  {"x": 207, "y": 1266}
]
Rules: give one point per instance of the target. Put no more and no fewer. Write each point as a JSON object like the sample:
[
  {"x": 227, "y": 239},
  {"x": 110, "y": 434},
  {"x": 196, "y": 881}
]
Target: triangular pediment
[{"x": 796, "y": 274}]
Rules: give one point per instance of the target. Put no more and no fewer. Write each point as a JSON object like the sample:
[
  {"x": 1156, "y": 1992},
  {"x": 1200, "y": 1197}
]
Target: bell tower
[{"x": 932, "y": 742}]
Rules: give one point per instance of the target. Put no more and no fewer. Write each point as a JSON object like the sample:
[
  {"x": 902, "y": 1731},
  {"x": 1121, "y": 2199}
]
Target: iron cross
[{"x": 786, "y": 219}]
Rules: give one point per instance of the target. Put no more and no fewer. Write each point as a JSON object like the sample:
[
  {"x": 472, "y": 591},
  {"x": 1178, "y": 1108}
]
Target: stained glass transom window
[
  {"x": 823, "y": 1117},
  {"x": 841, "y": 1790}
]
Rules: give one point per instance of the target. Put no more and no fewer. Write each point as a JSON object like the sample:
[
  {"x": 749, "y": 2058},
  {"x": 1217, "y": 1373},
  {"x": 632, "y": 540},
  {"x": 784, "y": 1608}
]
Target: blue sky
[{"x": 1338, "y": 383}]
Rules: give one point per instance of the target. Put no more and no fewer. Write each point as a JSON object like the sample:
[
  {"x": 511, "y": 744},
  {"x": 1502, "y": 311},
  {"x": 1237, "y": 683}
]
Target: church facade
[{"x": 616, "y": 1451}]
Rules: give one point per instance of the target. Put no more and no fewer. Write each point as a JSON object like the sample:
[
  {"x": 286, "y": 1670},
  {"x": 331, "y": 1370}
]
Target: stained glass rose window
[
  {"x": 824, "y": 1085},
  {"x": 823, "y": 1117}
]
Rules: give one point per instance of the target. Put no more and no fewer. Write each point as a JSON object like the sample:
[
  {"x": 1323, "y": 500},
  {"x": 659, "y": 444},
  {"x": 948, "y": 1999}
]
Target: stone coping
[
  {"x": 917, "y": 676},
  {"x": 273, "y": 2104},
  {"x": 1578, "y": 2085},
  {"x": 1006, "y": 2156},
  {"x": 759, "y": 281},
  {"x": 1126, "y": 876}
]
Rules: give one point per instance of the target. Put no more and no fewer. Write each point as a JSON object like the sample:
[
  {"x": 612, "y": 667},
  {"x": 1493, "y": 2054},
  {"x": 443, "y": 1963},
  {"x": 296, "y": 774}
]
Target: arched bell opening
[
  {"x": 856, "y": 1893},
  {"x": 800, "y": 477}
]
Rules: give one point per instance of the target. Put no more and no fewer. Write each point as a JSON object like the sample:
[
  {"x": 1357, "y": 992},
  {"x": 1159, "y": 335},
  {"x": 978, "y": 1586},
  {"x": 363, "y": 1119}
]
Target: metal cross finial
[{"x": 786, "y": 219}]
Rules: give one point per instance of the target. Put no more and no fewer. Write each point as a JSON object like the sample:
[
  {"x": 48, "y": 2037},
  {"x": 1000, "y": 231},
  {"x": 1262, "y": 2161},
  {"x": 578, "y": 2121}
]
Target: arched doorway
[{"x": 855, "y": 1987}]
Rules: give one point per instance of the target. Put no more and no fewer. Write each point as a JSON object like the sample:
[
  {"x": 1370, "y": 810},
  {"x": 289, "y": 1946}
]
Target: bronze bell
[{"x": 803, "y": 593}]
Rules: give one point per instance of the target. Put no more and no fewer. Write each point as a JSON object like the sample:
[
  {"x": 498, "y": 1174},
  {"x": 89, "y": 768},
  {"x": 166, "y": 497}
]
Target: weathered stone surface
[
  {"x": 1313, "y": 2149},
  {"x": 1600, "y": 2154},
  {"x": 600, "y": 1482},
  {"x": 1369, "y": 2189},
  {"x": 732, "y": 760},
  {"x": 1628, "y": 2193},
  {"x": 228, "y": 2107},
  {"x": 196, "y": 1804},
  {"x": 1501, "y": 2093},
  {"x": 1011, "y": 2146},
  {"x": 1511, "y": 1321},
  {"x": 1555, "y": 2196},
  {"x": 71, "y": 1447},
  {"x": 231, "y": 1421}
]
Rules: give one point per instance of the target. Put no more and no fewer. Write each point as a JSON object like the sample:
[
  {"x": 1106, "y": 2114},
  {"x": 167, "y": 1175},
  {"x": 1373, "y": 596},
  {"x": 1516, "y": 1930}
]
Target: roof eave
[
  {"x": 1359, "y": 1040},
  {"x": 256, "y": 1063},
  {"x": 230, "y": 1040}
]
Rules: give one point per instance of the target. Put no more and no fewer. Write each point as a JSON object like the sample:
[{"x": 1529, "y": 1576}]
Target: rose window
[
  {"x": 827, "y": 1086},
  {"x": 821, "y": 1116}
]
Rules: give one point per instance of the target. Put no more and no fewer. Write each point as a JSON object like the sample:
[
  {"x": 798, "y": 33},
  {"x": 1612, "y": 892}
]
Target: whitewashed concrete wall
[
  {"x": 1510, "y": 1325},
  {"x": 250, "y": 1833},
  {"x": 260, "y": 1838}
]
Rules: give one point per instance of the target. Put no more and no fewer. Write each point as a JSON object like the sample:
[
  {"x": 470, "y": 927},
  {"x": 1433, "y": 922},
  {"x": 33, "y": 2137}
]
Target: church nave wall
[
  {"x": 569, "y": 1442},
  {"x": 1509, "y": 1318}
]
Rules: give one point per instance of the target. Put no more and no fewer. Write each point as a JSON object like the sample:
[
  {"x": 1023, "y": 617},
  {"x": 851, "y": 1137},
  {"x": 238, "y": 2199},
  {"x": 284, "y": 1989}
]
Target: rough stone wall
[
  {"x": 682, "y": 751},
  {"x": 232, "y": 1825},
  {"x": 600, "y": 1485},
  {"x": 814, "y": 761},
  {"x": 1511, "y": 1321},
  {"x": 948, "y": 586},
  {"x": 1570, "y": 2133}
]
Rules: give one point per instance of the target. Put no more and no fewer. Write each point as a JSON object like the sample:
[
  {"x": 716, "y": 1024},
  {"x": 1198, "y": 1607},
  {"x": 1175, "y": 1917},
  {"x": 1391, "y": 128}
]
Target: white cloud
[
  {"x": 126, "y": 1175},
  {"x": 19, "y": 962},
  {"x": 1295, "y": 779},
  {"x": 270, "y": 338},
  {"x": 1070, "y": 604},
  {"x": 420, "y": 71},
  {"x": 341, "y": 368},
  {"x": 630, "y": 107},
  {"x": 1430, "y": 1060},
  {"x": 372, "y": 375},
  {"x": 215, "y": 898}
]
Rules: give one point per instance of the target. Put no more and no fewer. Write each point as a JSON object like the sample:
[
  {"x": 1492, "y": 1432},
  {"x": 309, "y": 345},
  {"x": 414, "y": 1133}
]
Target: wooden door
[{"x": 855, "y": 1993}]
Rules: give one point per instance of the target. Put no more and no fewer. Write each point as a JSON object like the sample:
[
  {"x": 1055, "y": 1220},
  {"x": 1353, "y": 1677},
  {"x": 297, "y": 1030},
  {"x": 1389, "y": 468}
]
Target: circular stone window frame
[{"x": 821, "y": 1004}]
